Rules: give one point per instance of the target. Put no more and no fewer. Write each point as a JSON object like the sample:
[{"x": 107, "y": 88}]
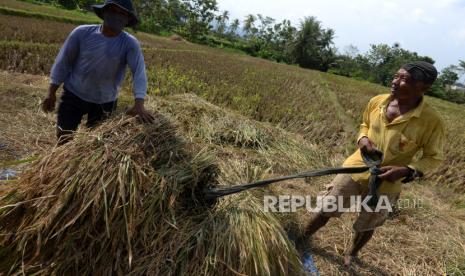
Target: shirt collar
[
  {"x": 405, "y": 117},
  {"x": 415, "y": 113},
  {"x": 419, "y": 109}
]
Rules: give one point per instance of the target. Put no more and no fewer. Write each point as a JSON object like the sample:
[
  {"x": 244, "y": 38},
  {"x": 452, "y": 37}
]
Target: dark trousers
[{"x": 71, "y": 110}]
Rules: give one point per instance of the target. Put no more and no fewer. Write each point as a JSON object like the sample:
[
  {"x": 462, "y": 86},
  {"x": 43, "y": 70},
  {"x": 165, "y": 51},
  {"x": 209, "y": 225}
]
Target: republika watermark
[{"x": 328, "y": 203}]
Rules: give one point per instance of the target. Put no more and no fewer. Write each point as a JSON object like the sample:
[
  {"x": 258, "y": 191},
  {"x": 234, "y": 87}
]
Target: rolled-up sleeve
[
  {"x": 136, "y": 63},
  {"x": 433, "y": 150},
  {"x": 65, "y": 59}
]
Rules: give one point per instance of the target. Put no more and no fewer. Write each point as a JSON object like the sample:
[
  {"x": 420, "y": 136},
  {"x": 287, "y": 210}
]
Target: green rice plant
[
  {"x": 272, "y": 97},
  {"x": 33, "y": 58},
  {"x": 46, "y": 9},
  {"x": 23, "y": 29},
  {"x": 16, "y": 12}
]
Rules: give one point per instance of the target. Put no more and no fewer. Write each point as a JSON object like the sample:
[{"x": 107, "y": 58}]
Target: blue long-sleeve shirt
[{"x": 92, "y": 66}]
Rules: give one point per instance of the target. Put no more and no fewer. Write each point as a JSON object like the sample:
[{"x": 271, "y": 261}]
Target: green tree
[
  {"x": 461, "y": 67},
  {"x": 462, "y": 64},
  {"x": 86, "y": 4},
  {"x": 176, "y": 14},
  {"x": 312, "y": 47},
  {"x": 385, "y": 60},
  {"x": 200, "y": 14},
  {"x": 285, "y": 34},
  {"x": 222, "y": 23},
  {"x": 67, "y": 4},
  {"x": 249, "y": 25},
  {"x": 448, "y": 76},
  {"x": 160, "y": 15},
  {"x": 265, "y": 29},
  {"x": 233, "y": 28}
]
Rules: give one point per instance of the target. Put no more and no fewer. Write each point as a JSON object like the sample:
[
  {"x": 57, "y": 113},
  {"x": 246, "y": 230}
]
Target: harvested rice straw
[{"x": 124, "y": 198}]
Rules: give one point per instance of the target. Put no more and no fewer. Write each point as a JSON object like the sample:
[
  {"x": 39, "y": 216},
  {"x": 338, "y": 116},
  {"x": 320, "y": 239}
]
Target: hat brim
[{"x": 98, "y": 9}]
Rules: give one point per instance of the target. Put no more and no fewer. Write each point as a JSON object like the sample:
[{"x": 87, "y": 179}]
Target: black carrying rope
[{"x": 372, "y": 160}]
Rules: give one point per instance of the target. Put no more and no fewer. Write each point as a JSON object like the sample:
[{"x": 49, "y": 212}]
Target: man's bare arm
[{"x": 48, "y": 105}]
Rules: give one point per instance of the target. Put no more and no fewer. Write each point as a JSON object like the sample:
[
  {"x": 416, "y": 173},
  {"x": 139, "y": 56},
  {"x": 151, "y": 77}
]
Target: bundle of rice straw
[{"x": 124, "y": 199}]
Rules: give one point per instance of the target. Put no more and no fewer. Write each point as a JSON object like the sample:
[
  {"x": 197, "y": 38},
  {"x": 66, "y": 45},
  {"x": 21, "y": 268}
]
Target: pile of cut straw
[{"x": 126, "y": 198}]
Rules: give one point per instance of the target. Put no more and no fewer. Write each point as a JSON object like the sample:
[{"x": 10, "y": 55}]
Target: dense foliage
[{"x": 381, "y": 61}]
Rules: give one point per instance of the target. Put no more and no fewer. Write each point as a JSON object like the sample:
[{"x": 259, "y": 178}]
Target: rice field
[
  {"x": 255, "y": 119},
  {"x": 47, "y": 10},
  {"x": 246, "y": 150}
]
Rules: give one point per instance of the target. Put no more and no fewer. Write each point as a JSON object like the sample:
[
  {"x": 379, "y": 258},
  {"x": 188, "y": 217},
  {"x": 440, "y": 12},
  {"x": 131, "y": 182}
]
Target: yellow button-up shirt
[{"x": 420, "y": 130}]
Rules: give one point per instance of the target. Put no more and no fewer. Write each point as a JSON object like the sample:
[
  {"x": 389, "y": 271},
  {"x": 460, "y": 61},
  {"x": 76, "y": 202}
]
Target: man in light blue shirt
[{"x": 92, "y": 64}]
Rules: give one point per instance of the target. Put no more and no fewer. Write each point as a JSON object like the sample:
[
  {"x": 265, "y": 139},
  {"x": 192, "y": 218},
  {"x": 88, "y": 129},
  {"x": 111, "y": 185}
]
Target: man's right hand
[
  {"x": 48, "y": 105},
  {"x": 366, "y": 145}
]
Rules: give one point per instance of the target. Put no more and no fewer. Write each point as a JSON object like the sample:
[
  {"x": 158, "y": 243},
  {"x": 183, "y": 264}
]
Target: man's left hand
[
  {"x": 393, "y": 173},
  {"x": 139, "y": 110}
]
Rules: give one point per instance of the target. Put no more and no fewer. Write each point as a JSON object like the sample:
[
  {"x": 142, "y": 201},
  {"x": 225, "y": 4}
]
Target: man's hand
[
  {"x": 366, "y": 145},
  {"x": 393, "y": 173},
  {"x": 139, "y": 110},
  {"x": 48, "y": 105}
]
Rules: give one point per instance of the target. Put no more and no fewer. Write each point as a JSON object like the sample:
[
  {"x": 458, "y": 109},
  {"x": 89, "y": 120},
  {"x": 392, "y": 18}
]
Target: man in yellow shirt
[{"x": 399, "y": 124}]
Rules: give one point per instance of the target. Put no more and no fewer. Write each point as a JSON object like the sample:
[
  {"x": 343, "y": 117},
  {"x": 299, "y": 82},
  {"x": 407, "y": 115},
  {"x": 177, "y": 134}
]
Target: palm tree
[
  {"x": 312, "y": 46},
  {"x": 222, "y": 20},
  {"x": 462, "y": 66},
  {"x": 234, "y": 27},
  {"x": 225, "y": 15},
  {"x": 249, "y": 25}
]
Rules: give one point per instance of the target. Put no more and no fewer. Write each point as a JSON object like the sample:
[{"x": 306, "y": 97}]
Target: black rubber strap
[
  {"x": 372, "y": 159},
  {"x": 220, "y": 192}
]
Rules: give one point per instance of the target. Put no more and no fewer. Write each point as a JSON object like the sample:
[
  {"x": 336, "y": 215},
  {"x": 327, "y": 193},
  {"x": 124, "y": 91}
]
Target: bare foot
[{"x": 348, "y": 260}]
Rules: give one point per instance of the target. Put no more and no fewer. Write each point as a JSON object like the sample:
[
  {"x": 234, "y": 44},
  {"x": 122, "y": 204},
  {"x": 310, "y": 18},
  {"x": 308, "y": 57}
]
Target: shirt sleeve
[
  {"x": 65, "y": 59},
  {"x": 433, "y": 150},
  {"x": 365, "y": 122},
  {"x": 136, "y": 63}
]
